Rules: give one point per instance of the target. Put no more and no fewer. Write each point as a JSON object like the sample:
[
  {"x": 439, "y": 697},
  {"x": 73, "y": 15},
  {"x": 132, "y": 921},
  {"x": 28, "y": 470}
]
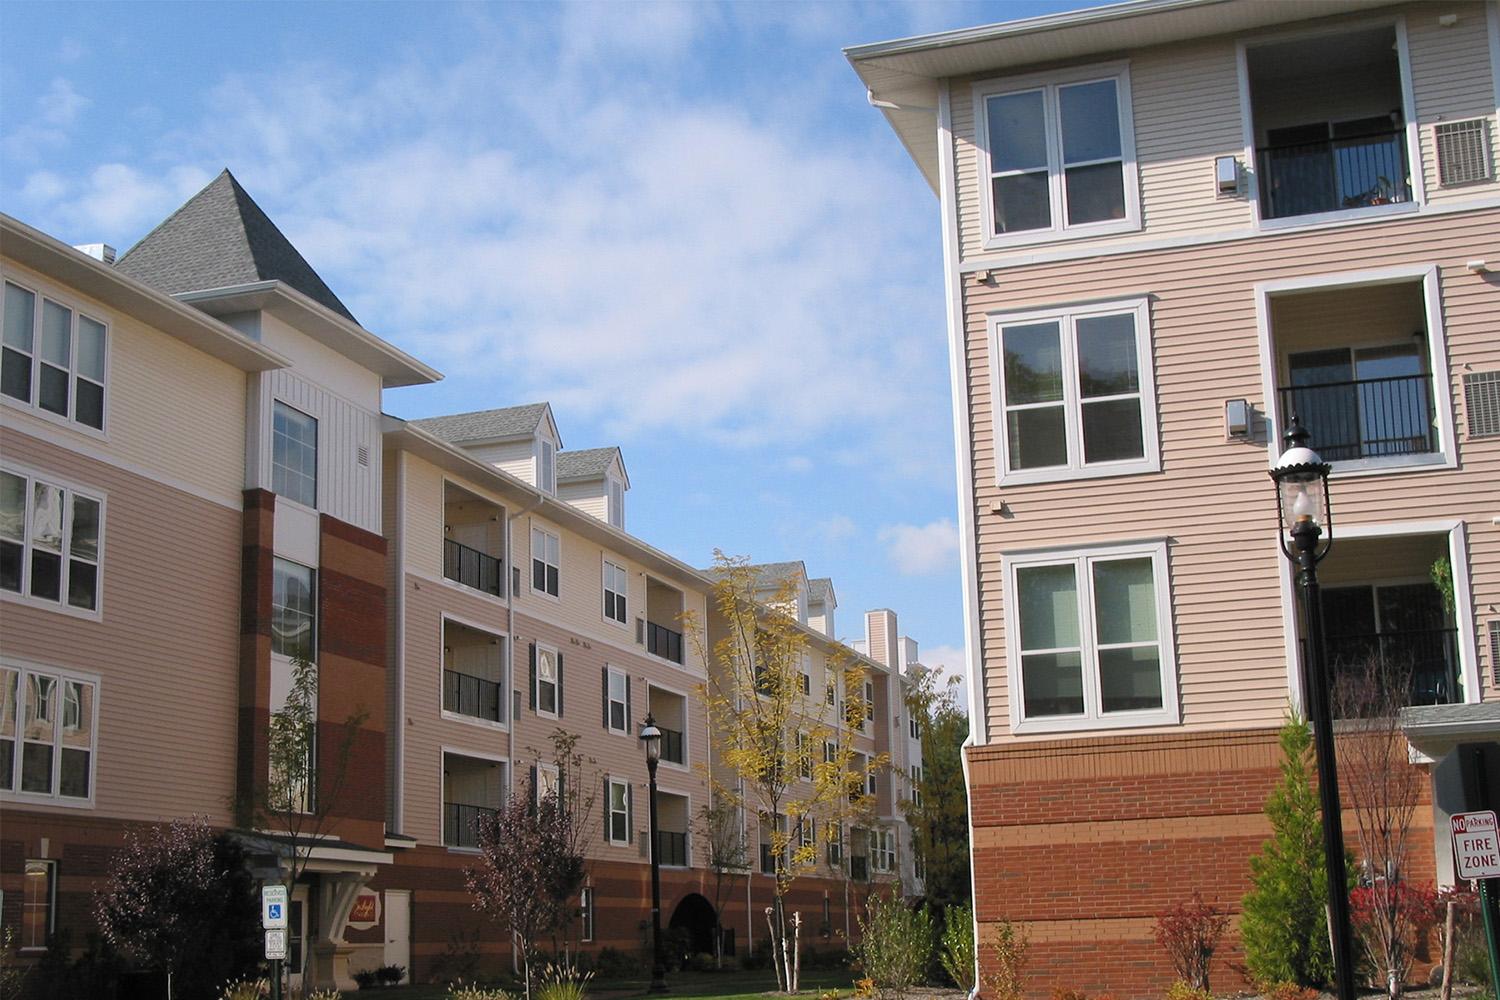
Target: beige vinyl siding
[
  {"x": 347, "y": 490},
  {"x": 1213, "y": 499},
  {"x": 166, "y": 692},
  {"x": 1451, "y": 81},
  {"x": 171, "y": 412},
  {"x": 587, "y": 498},
  {"x": 1187, "y": 111},
  {"x": 428, "y": 732},
  {"x": 422, "y": 514}
]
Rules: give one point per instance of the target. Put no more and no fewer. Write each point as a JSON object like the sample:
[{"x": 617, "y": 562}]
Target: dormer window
[{"x": 546, "y": 466}]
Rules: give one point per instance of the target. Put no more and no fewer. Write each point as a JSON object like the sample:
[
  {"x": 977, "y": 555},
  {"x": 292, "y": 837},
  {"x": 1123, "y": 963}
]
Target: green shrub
[
  {"x": 612, "y": 963},
  {"x": 956, "y": 947},
  {"x": 896, "y": 946},
  {"x": 1182, "y": 991},
  {"x": 471, "y": 992},
  {"x": 1007, "y": 979}
]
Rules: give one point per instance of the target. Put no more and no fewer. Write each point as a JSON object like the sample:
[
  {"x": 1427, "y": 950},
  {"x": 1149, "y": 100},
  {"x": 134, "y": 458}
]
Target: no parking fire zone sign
[{"x": 1476, "y": 844}]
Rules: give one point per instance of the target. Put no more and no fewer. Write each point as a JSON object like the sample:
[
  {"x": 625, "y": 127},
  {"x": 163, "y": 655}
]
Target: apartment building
[
  {"x": 1169, "y": 226},
  {"x": 198, "y": 488}
]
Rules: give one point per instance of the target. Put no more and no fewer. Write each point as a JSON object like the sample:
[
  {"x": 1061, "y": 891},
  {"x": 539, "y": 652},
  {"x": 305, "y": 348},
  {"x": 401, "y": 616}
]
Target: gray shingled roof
[
  {"x": 585, "y": 463},
  {"x": 221, "y": 239},
  {"x": 769, "y": 576},
  {"x": 485, "y": 425},
  {"x": 820, "y": 589}
]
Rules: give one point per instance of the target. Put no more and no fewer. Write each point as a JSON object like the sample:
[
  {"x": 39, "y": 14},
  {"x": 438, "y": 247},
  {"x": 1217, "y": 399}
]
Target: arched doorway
[{"x": 694, "y": 917}]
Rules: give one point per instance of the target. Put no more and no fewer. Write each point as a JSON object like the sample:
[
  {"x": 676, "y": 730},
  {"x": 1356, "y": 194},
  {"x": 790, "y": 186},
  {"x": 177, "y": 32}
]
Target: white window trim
[
  {"x": 556, "y": 682},
  {"x": 96, "y": 613},
  {"x": 1066, "y": 316},
  {"x": 609, "y": 811},
  {"x": 1437, "y": 362},
  {"x": 1059, "y": 230},
  {"x": 317, "y": 484},
  {"x": 614, "y": 502},
  {"x": 445, "y": 751},
  {"x": 556, "y": 537},
  {"x": 612, "y": 673},
  {"x": 548, "y": 778},
  {"x": 505, "y": 670},
  {"x": 1169, "y": 714},
  {"x": 31, "y": 406},
  {"x": 26, "y": 668},
  {"x": 544, "y": 464},
  {"x": 1408, "y": 113},
  {"x": 687, "y": 730},
  {"x": 607, "y": 562},
  {"x": 1463, "y": 602},
  {"x": 587, "y": 913}
]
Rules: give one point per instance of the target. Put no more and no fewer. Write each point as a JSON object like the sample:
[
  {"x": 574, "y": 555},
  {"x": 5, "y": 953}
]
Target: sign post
[
  {"x": 1476, "y": 848},
  {"x": 274, "y": 907}
]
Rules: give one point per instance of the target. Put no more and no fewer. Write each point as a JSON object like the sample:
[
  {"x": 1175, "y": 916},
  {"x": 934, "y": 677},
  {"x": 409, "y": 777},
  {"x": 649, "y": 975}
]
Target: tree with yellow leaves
[{"x": 782, "y": 753}]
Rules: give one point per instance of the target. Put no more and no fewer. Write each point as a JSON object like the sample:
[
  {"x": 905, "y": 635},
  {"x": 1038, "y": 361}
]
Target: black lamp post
[
  {"x": 651, "y": 739},
  {"x": 1302, "y": 498}
]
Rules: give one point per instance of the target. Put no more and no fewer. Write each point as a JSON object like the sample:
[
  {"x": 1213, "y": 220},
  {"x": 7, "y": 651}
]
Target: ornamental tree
[
  {"x": 783, "y": 753},
  {"x": 179, "y": 897}
]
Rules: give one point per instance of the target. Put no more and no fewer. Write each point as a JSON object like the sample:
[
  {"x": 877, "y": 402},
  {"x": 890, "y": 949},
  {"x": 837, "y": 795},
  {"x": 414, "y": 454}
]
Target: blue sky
[{"x": 680, "y": 223}]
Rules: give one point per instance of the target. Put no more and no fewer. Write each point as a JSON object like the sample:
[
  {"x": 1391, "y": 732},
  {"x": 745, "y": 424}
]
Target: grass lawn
[{"x": 680, "y": 986}]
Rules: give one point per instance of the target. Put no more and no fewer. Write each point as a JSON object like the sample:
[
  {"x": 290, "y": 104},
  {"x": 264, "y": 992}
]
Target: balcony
[
  {"x": 1425, "y": 660},
  {"x": 473, "y": 568},
  {"x": 1365, "y": 418},
  {"x": 662, "y": 641},
  {"x": 1333, "y": 174},
  {"x": 473, "y": 696},
  {"x": 671, "y": 849},
  {"x": 672, "y": 746},
  {"x": 461, "y": 823}
]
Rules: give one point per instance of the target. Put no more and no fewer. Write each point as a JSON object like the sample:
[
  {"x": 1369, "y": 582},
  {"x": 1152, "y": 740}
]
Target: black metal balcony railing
[
  {"x": 672, "y": 748},
  {"x": 1430, "y": 656},
  {"x": 471, "y": 696},
  {"x": 671, "y": 848},
  {"x": 461, "y": 823},
  {"x": 1334, "y": 174},
  {"x": 473, "y": 568},
  {"x": 662, "y": 641},
  {"x": 859, "y": 867},
  {"x": 1366, "y": 418}
]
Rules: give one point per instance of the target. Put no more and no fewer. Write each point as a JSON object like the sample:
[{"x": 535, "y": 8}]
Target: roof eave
[
  {"x": 394, "y": 366},
  {"x": 40, "y": 252}
]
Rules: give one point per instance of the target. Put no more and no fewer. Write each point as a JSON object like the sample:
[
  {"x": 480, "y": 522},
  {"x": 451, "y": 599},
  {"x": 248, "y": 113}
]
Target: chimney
[{"x": 98, "y": 251}]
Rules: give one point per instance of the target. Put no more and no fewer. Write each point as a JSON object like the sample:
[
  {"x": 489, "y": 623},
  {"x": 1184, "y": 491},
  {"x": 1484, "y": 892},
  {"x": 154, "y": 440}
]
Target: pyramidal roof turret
[{"x": 222, "y": 239}]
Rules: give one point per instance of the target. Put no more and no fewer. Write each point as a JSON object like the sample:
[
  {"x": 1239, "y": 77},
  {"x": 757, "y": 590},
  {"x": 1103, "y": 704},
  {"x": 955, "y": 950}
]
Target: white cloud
[
  {"x": 838, "y": 528},
  {"x": 920, "y": 550}
]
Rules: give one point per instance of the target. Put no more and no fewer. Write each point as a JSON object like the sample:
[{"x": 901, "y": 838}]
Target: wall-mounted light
[
  {"x": 1237, "y": 419},
  {"x": 1227, "y": 175}
]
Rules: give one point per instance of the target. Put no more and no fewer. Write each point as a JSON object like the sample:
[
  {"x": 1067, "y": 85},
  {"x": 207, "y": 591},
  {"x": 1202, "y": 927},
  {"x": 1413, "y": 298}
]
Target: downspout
[
  {"x": 398, "y": 598},
  {"x": 968, "y": 530}
]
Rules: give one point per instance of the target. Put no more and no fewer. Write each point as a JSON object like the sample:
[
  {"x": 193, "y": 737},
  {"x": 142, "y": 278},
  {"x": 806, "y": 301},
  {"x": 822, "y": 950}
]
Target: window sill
[
  {"x": 1042, "y": 237},
  {"x": 1057, "y": 475},
  {"x": 1079, "y": 725},
  {"x": 40, "y": 799},
  {"x": 42, "y": 604}
]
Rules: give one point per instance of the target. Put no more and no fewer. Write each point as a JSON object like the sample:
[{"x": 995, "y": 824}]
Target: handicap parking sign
[{"x": 273, "y": 906}]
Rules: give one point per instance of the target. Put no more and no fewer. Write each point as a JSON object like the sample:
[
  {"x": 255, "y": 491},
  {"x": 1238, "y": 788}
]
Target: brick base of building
[{"x": 1084, "y": 842}]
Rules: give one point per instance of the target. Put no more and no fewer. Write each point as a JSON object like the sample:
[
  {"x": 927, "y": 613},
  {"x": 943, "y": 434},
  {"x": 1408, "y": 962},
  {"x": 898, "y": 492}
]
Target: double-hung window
[
  {"x": 616, "y": 580},
  {"x": 49, "y": 542},
  {"x": 546, "y": 561},
  {"x": 1058, "y": 154},
  {"x": 294, "y": 455},
  {"x": 38, "y": 904},
  {"x": 618, "y": 802},
  {"x": 47, "y": 724},
  {"x": 546, "y": 681},
  {"x": 1074, "y": 392},
  {"x": 294, "y": 610},
  {"x": 53, "y": 357},
  {"x": 616, "y": 700},
  {"x": 1089, "y": 639}
]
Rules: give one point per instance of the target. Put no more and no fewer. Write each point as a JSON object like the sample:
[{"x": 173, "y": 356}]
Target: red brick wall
[{"x": 1084, "y": 842}]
